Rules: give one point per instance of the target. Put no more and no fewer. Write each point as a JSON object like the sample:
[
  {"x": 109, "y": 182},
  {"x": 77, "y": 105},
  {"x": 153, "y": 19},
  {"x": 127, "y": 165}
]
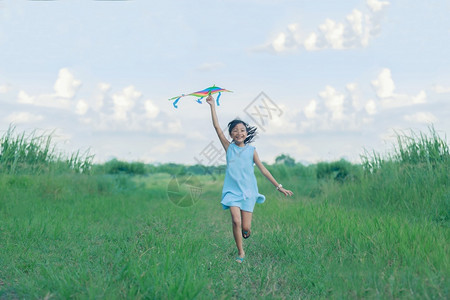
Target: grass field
[{"x": 380, "y": 233}]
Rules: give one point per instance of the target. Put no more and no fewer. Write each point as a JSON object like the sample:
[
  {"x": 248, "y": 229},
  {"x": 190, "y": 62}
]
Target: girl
[{"x": 240, "y": 191}]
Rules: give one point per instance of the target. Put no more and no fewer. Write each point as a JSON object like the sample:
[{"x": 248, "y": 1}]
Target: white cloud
[
  {"x": 371, "y": 107},
  {"x": 66, "y": 85},
  {"x": 46, "y": 100},
  {"x": 168, "y": 127},
  {"x": 24, "y": 98},
  {"x": 376, "y": 5},
  {"x": 124, "y": 101},
  {"x": 349, "y": 110},
  {"x": 333, "y": 33},
  {"x": 104, "y": 87},
  {"x": 287, "y": 40},
  {"x": 310, "y": 109},
  {"x": 333, "y": 112},
  {"x": 174, "y": 127},
  {"x": 336, "y": 110},
  {"x": 81, "y": 107},
  {"x": 168, "y": 146},
  {"x": 310, "y": 42},
  {"x": 356, "y": 19},
  {"x": 65, "y": 88},
  {"x": 151, "y": 109},
  {"x": 352, "y": 89},
  {"x": 53, "y": 101},
  {"x": 293, "y": 147},
  {"x": 374, "y": 19},
  {"x": 23, "y": 117},
  {"x": 279, "y": 43},
  {"x": 384, "y": 85},
  {"x": 334, "y": 101},
  {"x": 99, "y": 99},
  {"x": 284, "y": 122},
  {"x": 124, "y": 110},
  {"x": 385, "y": 90},
  {"x": 420, "y": 98},
  {"x": 440, "y": 89},
  {"x": 355, "y": 32},
  {"x": 421, "y": 117}
]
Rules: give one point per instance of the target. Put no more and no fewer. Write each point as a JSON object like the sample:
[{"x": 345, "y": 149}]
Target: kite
[{"x": 201, "y": 94}]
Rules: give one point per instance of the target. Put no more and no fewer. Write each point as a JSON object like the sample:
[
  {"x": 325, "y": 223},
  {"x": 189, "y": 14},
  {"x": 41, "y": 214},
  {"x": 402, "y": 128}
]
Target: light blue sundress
[{"x": 240, "y": 188}]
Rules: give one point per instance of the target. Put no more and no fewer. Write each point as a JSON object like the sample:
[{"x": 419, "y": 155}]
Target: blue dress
[{"x": 240, "y": 187}]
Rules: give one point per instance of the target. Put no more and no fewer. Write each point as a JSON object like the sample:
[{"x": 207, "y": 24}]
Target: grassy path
[{"x": 89, "y": 237}]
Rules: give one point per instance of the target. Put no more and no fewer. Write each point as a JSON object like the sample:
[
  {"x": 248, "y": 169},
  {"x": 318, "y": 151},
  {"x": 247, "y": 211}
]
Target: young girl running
[{"x": 240, "y": 191}]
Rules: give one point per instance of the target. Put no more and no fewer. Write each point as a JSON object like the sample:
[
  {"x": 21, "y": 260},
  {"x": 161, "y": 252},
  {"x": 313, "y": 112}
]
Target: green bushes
[
  {"x": 285, "y": 160},
  {"x": 115, "y": 166},
  {"x": 339, "y": 171}
]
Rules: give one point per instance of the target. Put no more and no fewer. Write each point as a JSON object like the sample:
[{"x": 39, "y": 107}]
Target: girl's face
[{"x": 239, "y": 134}]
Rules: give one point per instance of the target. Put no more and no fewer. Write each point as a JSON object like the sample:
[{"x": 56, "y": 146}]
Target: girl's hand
[
  {"x": 286, "y": 192},
  {"x": 210, "y": 100}
]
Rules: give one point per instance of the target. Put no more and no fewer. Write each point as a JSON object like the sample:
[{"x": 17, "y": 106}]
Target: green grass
[
  {"x": 382, "y": 233},
  {"x": 107, "y": 237}
]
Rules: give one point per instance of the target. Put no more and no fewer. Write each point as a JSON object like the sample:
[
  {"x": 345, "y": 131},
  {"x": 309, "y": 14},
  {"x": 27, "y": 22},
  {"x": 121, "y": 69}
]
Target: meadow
[{"x": 73, "y": 229}]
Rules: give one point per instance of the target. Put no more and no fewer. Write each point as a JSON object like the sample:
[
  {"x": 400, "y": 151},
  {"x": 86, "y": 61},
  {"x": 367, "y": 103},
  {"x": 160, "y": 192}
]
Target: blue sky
[{"x": 343, "y": 75}]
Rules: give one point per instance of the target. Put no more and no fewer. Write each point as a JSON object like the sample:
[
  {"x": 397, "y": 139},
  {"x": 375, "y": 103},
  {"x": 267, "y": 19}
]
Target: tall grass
[
  {"x": 34, "y": 154},
  {"x": 416, "y": 149},
  {"x": 412, "y": 179}
]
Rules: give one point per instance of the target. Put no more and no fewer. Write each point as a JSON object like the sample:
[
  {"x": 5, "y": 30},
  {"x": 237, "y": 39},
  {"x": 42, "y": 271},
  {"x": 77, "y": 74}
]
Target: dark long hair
[{"x": 251, "y": 130}]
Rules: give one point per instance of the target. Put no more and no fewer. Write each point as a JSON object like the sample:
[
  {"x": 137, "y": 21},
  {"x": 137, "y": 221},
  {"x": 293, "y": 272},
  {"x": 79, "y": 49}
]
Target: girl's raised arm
[
  {"x": 269, "y": 176},
  {"x": 222, "y": 138}
]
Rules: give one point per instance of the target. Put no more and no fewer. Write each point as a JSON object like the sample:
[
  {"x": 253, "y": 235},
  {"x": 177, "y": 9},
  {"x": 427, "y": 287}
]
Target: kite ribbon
[
  {"x": 217, "y": 99},
  {"x": 176, "y": 101}
]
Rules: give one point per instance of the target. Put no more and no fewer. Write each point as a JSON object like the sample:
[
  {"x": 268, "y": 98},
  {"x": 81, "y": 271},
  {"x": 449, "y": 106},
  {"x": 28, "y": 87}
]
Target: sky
[{"x": 322, "y": 80}]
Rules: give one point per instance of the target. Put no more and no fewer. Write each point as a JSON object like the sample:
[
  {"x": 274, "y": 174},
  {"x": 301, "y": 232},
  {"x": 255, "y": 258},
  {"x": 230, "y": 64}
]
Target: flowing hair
[{"x": 251, "y": 130}]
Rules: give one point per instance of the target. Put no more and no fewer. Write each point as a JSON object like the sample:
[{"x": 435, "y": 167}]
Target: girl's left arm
[{"x": 269, "y": 176}]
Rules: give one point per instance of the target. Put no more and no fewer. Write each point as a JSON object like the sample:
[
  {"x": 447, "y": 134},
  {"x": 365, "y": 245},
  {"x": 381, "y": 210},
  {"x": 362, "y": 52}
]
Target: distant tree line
[
  {"x": 115, "y": 166},
  {"x": 284, "y": 166}
]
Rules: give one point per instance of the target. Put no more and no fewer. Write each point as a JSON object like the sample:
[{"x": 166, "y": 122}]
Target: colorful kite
[{"x": 201, "y": 94}]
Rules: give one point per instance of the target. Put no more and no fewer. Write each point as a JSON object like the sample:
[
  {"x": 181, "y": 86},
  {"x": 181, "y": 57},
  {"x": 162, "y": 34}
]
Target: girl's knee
[{"x": 236, "y": 222}]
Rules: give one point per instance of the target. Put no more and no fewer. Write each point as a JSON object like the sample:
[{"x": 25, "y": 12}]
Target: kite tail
[
  {"x": 217, "y": 99},
  {"x": 175, "y": 102},
  {"x": 199, "y": 100}
]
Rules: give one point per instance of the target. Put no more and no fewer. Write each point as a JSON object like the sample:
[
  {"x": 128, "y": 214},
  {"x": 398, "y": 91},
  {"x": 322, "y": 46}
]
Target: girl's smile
[{"x": 239, "y": 134}]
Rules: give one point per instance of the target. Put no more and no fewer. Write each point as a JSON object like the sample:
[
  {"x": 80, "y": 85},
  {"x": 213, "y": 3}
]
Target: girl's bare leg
[
  {"x": 237, "y": 226},
  {"x": 246, "y": 222}
]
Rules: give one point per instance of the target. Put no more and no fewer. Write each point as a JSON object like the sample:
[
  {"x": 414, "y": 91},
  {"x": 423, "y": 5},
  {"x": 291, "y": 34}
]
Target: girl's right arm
[
  {"x": 269, "y": 176},
  {"x": 222, "y": 138}
]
